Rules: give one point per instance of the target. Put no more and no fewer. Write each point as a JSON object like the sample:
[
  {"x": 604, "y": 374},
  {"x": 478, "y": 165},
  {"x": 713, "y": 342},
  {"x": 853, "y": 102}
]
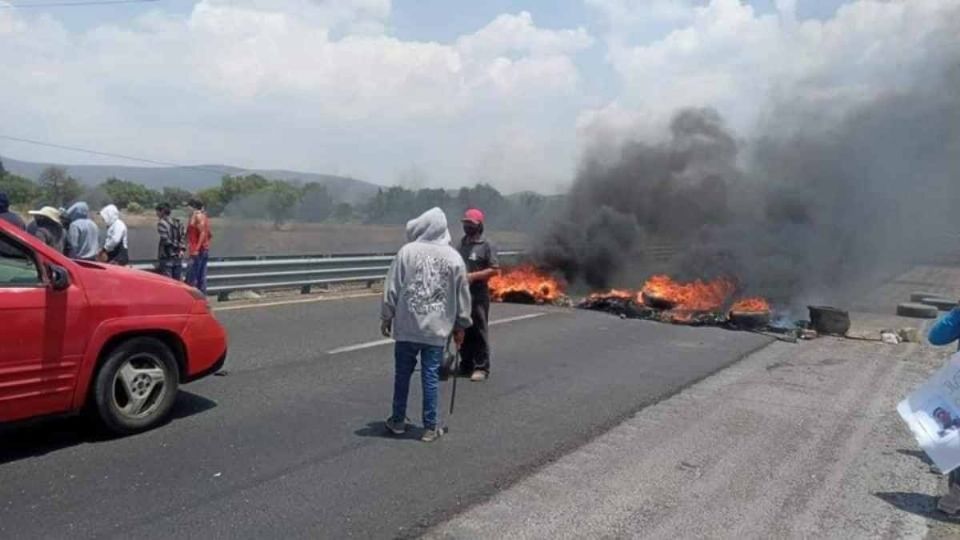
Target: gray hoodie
[
  {"x": 83, "y": 236},
  {"x": 426, "y": 293}
]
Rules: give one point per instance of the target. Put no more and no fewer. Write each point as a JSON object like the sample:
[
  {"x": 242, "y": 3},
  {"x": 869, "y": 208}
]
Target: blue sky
[
  {"x": 444, "y": 93},
  {"x": 435, "y": 20}
]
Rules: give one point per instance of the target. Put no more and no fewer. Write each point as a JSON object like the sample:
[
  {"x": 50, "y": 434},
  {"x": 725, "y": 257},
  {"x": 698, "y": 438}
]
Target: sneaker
[
  {"x": 478, "y": 376},
  {"x": 432, "y": 435},
  {"x": 397, "y": 427}
]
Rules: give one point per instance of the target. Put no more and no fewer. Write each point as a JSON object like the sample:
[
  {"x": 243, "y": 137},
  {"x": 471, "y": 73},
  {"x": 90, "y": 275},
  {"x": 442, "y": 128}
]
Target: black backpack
[{"x": 178, "y": 235}]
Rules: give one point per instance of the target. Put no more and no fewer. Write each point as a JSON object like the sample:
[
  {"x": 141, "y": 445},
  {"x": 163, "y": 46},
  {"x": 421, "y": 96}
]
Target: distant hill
[{"x": 341, "y": 188}]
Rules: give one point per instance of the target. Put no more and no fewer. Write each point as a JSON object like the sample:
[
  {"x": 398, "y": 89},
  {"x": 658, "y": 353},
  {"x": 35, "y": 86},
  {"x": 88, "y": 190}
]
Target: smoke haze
[{"x": 825, "y": 193}]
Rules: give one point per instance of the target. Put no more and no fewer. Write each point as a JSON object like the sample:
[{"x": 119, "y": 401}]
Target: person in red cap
[{"x": 482, "y": 264}]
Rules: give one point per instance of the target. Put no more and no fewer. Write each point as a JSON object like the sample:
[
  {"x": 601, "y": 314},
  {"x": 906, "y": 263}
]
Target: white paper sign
[{"x": 933, "y": 414}]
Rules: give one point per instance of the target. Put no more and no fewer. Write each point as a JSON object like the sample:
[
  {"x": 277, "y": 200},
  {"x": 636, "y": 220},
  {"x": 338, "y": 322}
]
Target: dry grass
[{"x": 233, "y": 237}]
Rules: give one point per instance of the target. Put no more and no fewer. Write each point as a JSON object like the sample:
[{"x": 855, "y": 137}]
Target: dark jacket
[
  {"x": 171, "y": 234},
  {"x": 7, "y": 215},
  {"x": 50, "y": 232},
  {"x": 479, "y": 254}
]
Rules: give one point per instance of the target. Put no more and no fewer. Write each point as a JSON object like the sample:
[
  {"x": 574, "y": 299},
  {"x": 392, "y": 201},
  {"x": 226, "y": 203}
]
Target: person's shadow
[
  {"x": 45, "y": 435},
  {"x": 379, "y": 430}
]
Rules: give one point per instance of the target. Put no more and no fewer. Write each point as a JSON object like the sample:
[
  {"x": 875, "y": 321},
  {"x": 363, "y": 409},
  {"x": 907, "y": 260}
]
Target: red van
[{"x": 77, "y": 335}]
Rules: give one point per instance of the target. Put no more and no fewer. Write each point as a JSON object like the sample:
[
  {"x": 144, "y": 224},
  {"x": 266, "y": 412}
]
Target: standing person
[
  {"x": 425, "y": 298},
  {"x": 83, "y": 236},
  {"x": 46, "y": 226},
  {"x": 482, "y": 264},
  {"x": 115, "y": 246},
  {"x": 7, "y": 215},
  {"x": 198, "y": 245},
  {"x": 170, "y": 249},
  {"x": 943, "y": 332}
]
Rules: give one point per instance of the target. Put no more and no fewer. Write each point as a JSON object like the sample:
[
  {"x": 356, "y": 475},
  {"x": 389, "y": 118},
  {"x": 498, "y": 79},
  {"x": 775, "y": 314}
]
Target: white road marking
[
  {"x": 381, "y": 342},
  {"x": 360, "y": 346},
  {"x": 291, "y": 302}
]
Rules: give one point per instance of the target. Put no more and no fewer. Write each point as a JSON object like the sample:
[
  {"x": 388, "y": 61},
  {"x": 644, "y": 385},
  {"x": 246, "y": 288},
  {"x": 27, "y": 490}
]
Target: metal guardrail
[{"x": 304, "y": 272}]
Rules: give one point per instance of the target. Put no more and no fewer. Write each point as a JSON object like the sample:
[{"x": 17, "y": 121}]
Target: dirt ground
[{"x": 244, "y": 237}]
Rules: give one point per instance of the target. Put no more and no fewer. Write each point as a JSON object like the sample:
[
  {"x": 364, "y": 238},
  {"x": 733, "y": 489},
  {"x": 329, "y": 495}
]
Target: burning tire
[
  {"x": 658, "y": 302},
  {"x": 750, "y": 320},
  {"x": 917, "y": 311}
]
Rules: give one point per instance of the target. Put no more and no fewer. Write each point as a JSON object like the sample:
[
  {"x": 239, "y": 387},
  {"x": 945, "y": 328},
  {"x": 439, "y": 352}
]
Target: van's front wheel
[{"x": 137, "y": 385}]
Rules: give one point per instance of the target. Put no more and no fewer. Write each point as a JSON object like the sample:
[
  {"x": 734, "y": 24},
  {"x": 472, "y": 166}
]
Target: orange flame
[
  {"x": 525, "y": 280},
  {"x": 696, "y": 296},
  {"x": 751, "y": 305}
]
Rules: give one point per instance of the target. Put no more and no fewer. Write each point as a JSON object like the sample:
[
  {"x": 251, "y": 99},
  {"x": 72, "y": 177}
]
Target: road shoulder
[{"x": 794, "y": 441}]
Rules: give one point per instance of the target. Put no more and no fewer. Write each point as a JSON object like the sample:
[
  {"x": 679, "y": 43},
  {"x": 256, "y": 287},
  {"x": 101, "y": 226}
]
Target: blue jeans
[
  {"x": 197, "y": 271},
  {"x": 405, "y": 354}
]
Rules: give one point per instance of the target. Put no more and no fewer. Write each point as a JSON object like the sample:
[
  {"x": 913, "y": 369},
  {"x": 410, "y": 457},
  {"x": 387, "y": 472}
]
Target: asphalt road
[{"x": 290, "y": 443}]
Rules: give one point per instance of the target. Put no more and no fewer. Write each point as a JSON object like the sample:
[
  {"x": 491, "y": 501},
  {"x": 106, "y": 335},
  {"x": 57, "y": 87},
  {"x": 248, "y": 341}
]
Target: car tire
[{"x": 136, "y": 386}]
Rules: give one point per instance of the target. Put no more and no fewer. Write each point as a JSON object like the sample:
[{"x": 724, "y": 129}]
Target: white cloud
[
  {"x": 517, "y": 34},
  {"x": 233, "y": 74},
  {"x": 726, "y": 55},
  {"x": 322, "y": 85}
]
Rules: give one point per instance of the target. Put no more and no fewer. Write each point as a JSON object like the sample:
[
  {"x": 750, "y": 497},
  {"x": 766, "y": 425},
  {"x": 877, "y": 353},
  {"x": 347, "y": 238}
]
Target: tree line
[{"x": 256, "y": 197}]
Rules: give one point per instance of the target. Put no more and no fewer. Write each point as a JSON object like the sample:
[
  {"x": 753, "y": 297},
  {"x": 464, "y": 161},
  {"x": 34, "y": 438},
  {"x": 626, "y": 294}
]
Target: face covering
[{"x": 471, "y": 229}]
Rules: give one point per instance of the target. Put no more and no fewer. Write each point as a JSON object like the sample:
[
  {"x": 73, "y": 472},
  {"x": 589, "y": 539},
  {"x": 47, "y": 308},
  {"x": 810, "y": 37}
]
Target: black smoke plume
[{"x": 824, "y": 198}]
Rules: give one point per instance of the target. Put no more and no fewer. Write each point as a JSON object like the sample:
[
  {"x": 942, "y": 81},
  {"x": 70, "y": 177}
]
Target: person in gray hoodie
[
  {"x": 83, "y": 236},
  {"x": 426, "y": 299}
]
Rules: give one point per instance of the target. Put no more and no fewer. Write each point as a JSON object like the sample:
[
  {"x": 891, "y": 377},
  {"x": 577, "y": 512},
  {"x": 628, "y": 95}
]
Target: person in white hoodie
[
  {"x": 114, "y": 249},
  {"x": 426, "y": 299}
]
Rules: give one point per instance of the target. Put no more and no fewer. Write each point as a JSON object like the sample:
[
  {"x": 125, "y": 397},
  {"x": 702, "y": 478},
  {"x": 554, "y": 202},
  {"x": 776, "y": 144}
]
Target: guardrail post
[{"x": 305, "y": 289}]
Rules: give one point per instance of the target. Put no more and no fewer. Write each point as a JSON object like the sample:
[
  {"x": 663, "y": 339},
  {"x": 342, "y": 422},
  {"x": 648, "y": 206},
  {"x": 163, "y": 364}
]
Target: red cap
[{"x": 473, "y": 215}]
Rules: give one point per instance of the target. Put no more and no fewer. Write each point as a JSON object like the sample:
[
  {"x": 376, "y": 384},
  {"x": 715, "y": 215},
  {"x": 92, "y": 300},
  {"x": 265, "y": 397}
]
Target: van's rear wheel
[{"x": 137, "y": 385}]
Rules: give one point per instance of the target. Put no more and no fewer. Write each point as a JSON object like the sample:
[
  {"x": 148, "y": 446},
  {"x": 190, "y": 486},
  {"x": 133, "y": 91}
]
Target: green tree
[
  {"x": 343, "y": 213},
  {"x": 375, "y": 208},
  {"x": 282, "y": 198},
  {"x": 58, "y": 188},
  {"x": 96, "y": 197},
  {"x": 235, "y": 187},
  {"x": 176, "y": 196},
  {"x": 213, "y": 200},
  {"x": 316, "y": 204},
  {"x": 484, "y": 197},
  {"x": 19, "y": 190},
  {"x": 124, "y": 192}
]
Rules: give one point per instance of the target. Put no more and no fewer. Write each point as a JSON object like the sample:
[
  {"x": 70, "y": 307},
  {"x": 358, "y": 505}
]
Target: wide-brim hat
[{"x": 47, "y": 212}]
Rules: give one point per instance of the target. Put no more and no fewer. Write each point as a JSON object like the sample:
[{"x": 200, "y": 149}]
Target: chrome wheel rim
[{"x": 139, "y": 386}]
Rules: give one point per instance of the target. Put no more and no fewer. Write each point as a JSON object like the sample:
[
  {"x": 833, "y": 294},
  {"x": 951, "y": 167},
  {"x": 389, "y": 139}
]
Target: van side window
[{"x": 18, "y": 267}]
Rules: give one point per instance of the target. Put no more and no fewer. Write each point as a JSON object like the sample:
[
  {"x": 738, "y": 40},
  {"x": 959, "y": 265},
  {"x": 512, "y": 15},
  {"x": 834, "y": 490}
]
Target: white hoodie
[{"x": 116, "y": 228}]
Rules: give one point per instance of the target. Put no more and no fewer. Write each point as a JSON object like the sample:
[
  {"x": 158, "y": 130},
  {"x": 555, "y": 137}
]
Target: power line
[
  {"x": 73, "y": 4},
  {"x": 110, "y": 154}
]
